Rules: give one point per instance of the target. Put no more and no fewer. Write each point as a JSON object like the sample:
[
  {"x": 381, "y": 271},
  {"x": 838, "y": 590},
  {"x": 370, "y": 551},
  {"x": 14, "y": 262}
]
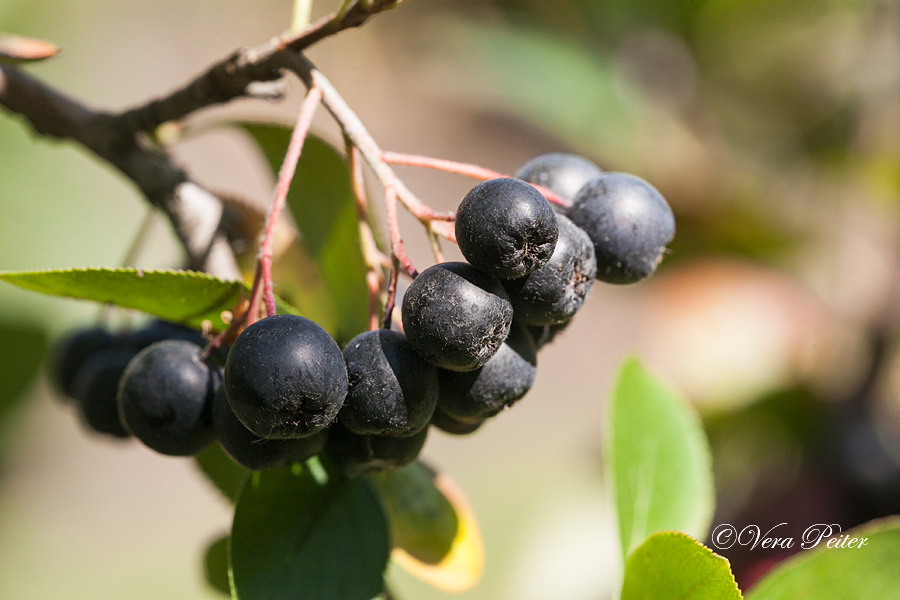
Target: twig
[
  {"x": 193, "y": 211},
  {"x": 391, "y": 295},
  {"x": 398, "y": 251},
  {"x": 458, "y": 168},
  {"x": 354, "y": 129},
  {"x": 285, "y": 176},
  {"x": 140, "y": 238},
  {"x": 228, "y": 79},
  {"x": 435, "y": 246},
  {"x": 374, "y": 259}
]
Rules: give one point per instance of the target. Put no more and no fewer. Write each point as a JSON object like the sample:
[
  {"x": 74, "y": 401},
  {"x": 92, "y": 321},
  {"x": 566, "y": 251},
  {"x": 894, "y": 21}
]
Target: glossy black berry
[
  {"x": 455, "y": 426},
  {"x": 629, "y": 223},
  {"x": 455, "y": 316},
  {"x": 506, "y": 378},
  {"x": 506, "y": 228},
  {"x": 256, "y": 453},
  {"x": 555, "y": 292},
  {"x": 361, "y": 454},
  {"x": 285, "y": 377},
  {"x": 393, "y": 391},
  {"x": 562, "y": 173},
  {"x": 73, "y": 350},
  {"x": 165, "y": 398},
  {"x": 96, "y": 386}
]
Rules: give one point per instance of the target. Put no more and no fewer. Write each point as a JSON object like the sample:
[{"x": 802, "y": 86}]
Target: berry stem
[
  {"x": 354, "y": 129},
  {"x": 458, "y": 168},
  {"x": 249, "y": 317},
  {"x": 374, "y": 259},
  {"x": 398, "y": 251},
  {"x": 445, "y": 229},
  {"x": 285, "y": 175},
  {"x": 435, "y": 245},
  {"x": 140, "y": 238},
  {"x": 391, "y": 296}
]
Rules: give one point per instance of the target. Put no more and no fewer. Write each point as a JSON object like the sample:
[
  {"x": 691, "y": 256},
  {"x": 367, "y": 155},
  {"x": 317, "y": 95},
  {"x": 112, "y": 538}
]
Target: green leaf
[
  {"x": 839, "y": 573},
  {"x": 434, "y": 531},
  {"x": 296, "y": 535},
  {"x": 322, "y": 204},
  {"x": 657, "y": 460},
  {"x": 215, "y": 565},
  {"x": 226, "y": 475},
  {"x": 180, "y": 296},
  {"x": 673, "y": 566}
]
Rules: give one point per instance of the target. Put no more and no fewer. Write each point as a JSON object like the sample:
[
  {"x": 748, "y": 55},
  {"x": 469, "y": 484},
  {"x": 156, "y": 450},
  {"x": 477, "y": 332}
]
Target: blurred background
[{"x": 771, "y": 126}]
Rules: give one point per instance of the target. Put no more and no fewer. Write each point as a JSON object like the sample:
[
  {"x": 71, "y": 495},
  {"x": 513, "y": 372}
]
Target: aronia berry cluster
[{"x": 468, "y": 350}]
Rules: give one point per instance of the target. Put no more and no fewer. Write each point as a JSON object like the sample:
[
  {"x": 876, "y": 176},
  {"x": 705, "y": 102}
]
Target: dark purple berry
[
  {"x": 629, "y": 223},
  {"x": 561, "y": 173},
  {"x": 73, "y": 350},
  {"x": 393, "y": 391},
  {"x": 96, "y": 387},
  {"x": 455, "y": 316},
  {"x": 256, "y": 453},
  {"x": 506, "y": 228},
  {"x": 454, "y": 426},
  {"x": 165, "y": 398},
  {"x": 285, "y": 377},
  {"x": 503, "y": 380},
  {"x": 362, "y": 454},
  {"x": 556, "y": 291}
]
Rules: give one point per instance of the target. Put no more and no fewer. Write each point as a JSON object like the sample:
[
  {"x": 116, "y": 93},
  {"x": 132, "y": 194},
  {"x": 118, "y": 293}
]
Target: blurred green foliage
[{"x": 749, "y": 116}]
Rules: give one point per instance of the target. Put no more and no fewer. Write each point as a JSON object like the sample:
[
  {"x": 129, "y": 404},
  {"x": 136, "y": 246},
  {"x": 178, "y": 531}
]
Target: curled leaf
[{"x": 434, "y": 531}]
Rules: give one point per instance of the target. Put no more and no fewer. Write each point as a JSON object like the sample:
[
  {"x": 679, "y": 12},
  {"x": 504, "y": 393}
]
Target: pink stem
[
  {"x": 397, "y": 248},
  {"x": 354, "y": 129},
  {"x": 391, "y": 296},
  {"x": 255, "y": 294},
  {"x": 458, "y": 168},
  {"x": 285, "y": 175},
  {"x": 372, "y": 257}
]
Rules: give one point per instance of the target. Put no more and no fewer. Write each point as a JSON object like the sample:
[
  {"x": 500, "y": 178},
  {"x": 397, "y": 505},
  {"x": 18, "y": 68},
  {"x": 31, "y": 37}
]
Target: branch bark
[{"x": 194, "y": 212}]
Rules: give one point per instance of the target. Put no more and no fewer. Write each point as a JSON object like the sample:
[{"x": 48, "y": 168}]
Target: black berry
[
  {"x": 256, "y": 453},
  {"x": 477, "y": 395},
  {"x": 555, "y": 292},
  {"x": 362, "y": 454},
  {"x": 629, "y": 223},
  {"x": 393, "y": 391},
  {"x": 73, "y": 350},
  {"x": 455, "y": 316},
  {"x": 562, "y": 173},
  {"x": 506, "y": 228},
  {"x": 96, "y": 386},
  {"x": 285, "y": 377},
  {"x": 165, "y": 398},
  {"x": 454, "y": 426}
]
